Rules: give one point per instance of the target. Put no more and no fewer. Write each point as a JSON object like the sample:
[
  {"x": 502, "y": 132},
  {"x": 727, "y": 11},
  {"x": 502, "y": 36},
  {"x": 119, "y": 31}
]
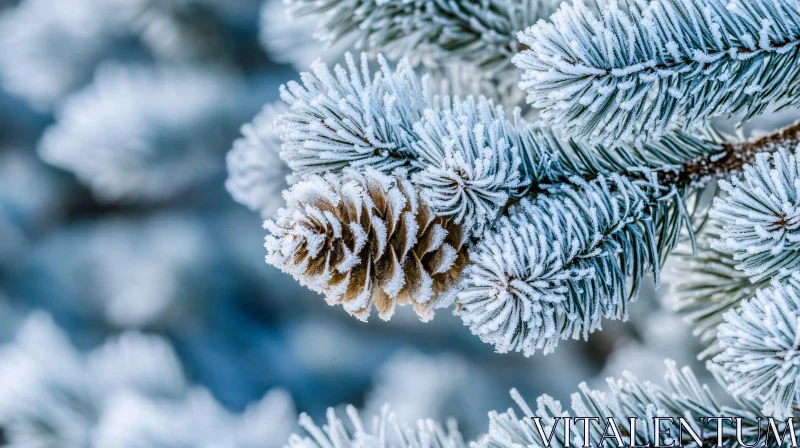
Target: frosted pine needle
[
  {"x": 551, "y": 270},
  {"x": 256, "y": 173},
  {"x": 468, "y": 168},
  {"x": 383, "y": 432},
  {"x": 761, "y": 349},
  {"x": 628, "y": 70},
  {"x": 348, "y": 118},
  {"x": 761, "y": 216}
]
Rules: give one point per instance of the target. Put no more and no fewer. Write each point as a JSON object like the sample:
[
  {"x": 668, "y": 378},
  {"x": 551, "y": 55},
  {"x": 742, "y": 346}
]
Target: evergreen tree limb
[
  {"x": 631, "y": 71},
  {"x": 478, "y": 32}
]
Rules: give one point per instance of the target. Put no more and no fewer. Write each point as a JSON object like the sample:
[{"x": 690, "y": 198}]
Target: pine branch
[
  {"x": 461, "y": 154},
  {"x": 478, "y": 32},
  {"x": 383, "y": 432},
  {"x": 761, "y": 347},
  {"x": 352, "y": 120},
  {"x": 632, "y": 71},
  {"x": 731, "y": 157},
  {"x": 707, "y": 285},
  {"x": 760, "y": 216},
  {"x": 557, "y": 266},
  {"x": 681, "y": 160},
  {"x": 474, "y": 166},
  {"x": 683, "y": 397},
  {"x": 468, "y": 148}
]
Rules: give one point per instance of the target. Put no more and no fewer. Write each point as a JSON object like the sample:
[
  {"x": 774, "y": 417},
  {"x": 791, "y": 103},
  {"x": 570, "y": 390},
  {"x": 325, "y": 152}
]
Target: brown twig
[{"x": 731, "y": 158}]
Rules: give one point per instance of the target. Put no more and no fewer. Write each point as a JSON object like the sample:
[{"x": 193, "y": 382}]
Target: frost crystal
[
  {"x": 256, "y": 173},
  {"x": 366, "y": 240},
  {"x": 558, "y": 266},
  {"x": 761, "y": 349},
  {"x": 629, "y": 69},
  {"x": 761, "y": 216},
  {"x": 162, "y": 131}
]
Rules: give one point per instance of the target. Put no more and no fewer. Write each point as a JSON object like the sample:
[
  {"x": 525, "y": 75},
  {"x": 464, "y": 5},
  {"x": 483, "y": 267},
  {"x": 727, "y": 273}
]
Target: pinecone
[{"x": 365, "y": 239}]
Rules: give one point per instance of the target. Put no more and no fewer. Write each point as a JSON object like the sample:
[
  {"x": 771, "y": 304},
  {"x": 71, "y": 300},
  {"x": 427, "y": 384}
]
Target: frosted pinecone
[{"x": 366, "y": 239}]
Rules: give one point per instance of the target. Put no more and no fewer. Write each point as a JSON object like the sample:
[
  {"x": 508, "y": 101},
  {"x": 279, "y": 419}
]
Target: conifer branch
[
  {"x": 761, "y": 346},
  {"x": 630, "y": 71},
  {"x": 684, "y": 396},
  {"x": 559, "y": 265},
  {"x": 477, "y": 32}
]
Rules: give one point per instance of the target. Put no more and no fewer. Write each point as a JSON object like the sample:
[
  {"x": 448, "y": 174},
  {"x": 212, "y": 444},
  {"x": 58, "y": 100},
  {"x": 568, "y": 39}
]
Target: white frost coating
[
  {"x": 468, "y": 168},
  {"x": 256, "y": 173},
  {"x": 478, "y": 33},
  {"x": 161, "y": 131},
  {"x": 384, "y": 431},
  {"x": 684, "y": 396},
  {"x": 350, "y": 118},
  {"x": 761, "y": 216},
  {"x": 550, "y": 271},
  {"x": 761, "y": 349},
  {"x": 628, "y": 70}
]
